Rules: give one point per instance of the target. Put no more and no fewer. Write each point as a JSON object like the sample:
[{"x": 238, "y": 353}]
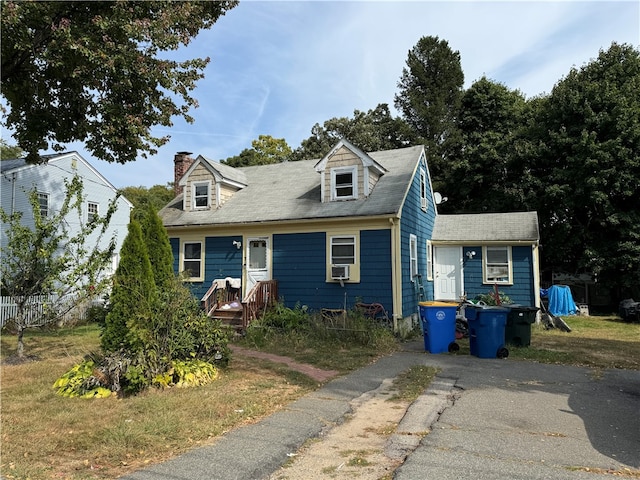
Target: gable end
[{"x": 347, "y": 173}]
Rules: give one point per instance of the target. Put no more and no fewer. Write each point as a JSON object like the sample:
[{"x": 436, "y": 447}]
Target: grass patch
[
  {"x": 411, "y": 383},
  {"x": 355, "y": 344},
  {"x": 107, "y": 438},
  {"x": 597, "y": 342},
  {"x": 357, "y": 458}
]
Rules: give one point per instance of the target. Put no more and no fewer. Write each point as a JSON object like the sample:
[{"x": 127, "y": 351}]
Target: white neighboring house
[{"x": 19, "y": 178}]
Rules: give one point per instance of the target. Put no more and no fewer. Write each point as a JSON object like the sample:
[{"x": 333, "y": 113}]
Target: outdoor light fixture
[
  {"x": 471, "y": 254},
  {"x": 237, "y": 244}
]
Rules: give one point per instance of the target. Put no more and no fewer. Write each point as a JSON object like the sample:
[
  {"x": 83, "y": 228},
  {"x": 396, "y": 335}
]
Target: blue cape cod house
[{"x": 350, "y": 227}]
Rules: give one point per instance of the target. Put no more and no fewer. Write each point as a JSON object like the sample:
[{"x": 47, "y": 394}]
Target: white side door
[
  {"x": 447, "y": 273},
  {"x": 258, "y": 264}
]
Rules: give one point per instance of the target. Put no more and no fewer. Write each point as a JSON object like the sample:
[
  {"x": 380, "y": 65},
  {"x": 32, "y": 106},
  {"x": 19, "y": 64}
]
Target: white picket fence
[{"x": 37, "y": 306}]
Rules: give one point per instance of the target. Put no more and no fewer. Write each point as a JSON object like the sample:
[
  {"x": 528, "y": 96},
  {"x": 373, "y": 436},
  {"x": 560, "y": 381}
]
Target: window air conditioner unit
[{"x": 339, "y": 272}]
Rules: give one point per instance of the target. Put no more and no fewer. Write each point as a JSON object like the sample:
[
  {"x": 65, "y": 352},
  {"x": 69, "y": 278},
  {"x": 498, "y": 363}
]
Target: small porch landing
[{"x": 222, "y": 301}]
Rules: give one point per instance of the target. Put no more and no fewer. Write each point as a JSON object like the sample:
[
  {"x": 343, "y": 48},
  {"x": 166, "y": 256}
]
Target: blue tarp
[{"x": 561, "y": 301}]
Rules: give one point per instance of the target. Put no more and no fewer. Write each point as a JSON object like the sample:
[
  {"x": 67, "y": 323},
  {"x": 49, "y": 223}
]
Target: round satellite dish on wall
[{"x": 438, "y": 197}]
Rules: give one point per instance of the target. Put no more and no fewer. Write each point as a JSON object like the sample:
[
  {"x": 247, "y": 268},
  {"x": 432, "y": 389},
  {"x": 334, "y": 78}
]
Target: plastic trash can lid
[{"x": 437, "y": 304}]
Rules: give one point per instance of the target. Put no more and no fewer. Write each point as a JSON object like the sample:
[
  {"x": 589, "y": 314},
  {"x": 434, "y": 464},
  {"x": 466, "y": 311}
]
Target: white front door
[
  {"x": 257, "y": 261},
  {"x": 447, "y": 273}
]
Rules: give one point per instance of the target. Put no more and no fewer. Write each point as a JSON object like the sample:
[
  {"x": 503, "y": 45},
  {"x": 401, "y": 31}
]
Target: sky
[{"x": 278, "y": 68}]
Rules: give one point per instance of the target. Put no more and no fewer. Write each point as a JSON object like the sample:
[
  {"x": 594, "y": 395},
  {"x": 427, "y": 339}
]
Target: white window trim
[
  {"x": 429, "y": 260},
  {"x": 413, "y": 256},
  {"x": 194, "y": 186},
  {"x": 47, "y": 210},
  {"x": 89, "y": 213},
  {"x": 485, "y": 280},
  {"x": 353, "y": 169},
  {"x": 423, "y": 189},
  {"x": 354, "y": 268},
  {"x": 183, "y": 244}
]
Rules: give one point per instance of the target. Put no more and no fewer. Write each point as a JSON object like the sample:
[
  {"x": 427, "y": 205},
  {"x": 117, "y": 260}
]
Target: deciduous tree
[
  {"x": 45, "y": 257},
  {"x": 264, "y": 150},
  {"x": 9, "y": 152},
  {"x": 157, "y": 196},
  {"x": 489, "y": 174},
  {"x": 370, "y": 131},
  {"x": 588, "y": 158},
  {"x": 96, "y": 72}
]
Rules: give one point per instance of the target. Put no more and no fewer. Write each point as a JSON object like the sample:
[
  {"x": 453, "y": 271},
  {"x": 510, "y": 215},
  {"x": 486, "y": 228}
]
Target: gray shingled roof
[
  {"x": 291, "y": 191},
  {"x": 8, "y": 165},
  {"x": 487, "y": 227},
  {"x": 14, "y": 164}
]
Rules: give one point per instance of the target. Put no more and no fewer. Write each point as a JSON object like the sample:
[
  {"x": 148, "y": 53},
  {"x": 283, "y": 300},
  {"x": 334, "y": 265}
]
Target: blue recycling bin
[
  {"x": 439, "y": 326},
  {"x": 487, "y": 330}
]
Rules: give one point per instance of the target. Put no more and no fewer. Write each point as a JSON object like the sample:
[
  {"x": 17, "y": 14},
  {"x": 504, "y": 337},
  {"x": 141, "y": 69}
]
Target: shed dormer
[
  {"x": 347, "y": 173},
  {"x": 207, "y": 185}
]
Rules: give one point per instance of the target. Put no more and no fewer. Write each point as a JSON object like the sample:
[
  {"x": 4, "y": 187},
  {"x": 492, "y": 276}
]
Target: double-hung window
[
  {"x": 192, "y": 259},
  {"x": 43, "y": 201},
  {"x": 429, "y": 260},
  {"x": 92, "y": 211},
  {"x": 344, "y": 183},
  {"x": 497, "y": 265},
  {"x": 200, "y": 195}
]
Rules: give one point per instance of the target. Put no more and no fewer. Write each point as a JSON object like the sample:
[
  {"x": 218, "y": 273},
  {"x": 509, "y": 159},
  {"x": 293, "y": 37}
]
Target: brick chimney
[{"x": 181, "y": 163}]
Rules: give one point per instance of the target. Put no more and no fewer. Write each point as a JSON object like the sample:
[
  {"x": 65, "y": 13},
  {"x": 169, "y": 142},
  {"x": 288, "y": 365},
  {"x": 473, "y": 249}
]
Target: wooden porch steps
[
  {"x": 229, "y": 316},
  {"x": 224, "y": 304}
]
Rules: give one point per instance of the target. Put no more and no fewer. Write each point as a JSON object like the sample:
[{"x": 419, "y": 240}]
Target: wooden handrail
[
  {"x": 209, "y": 300},
  {"x": 263, "y": 294}
]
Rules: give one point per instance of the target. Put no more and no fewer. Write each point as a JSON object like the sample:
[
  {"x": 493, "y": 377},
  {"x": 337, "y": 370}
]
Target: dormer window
[
  {"x": 201, "y": 195},
  {"x": 347, "y": 173},
  {"x": 344, "y": 183}
]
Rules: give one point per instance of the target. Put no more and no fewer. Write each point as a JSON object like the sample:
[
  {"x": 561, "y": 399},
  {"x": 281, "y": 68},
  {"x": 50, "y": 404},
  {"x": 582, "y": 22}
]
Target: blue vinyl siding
[
  {"x": 522, "y": 289},
  {"x": 520, "y": 292},
  {"x": 221, "y": 259},
  {"x": 419, "y": 223},
  {"x": 299, "y": 265}
]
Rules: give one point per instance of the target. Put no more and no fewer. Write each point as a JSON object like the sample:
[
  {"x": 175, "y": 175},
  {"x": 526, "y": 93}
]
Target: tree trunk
[{"x": 20, "y": 349}]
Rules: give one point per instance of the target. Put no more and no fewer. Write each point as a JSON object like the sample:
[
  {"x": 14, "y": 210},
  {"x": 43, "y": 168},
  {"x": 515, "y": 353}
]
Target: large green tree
[
  {"x": 44, "y": 256},
  {"x": 157, "y": 196},
  {"x": 489, "y": 174},
  {"x": 9, "y": 152},
  {"x": 430, "y": 92},
  {"x": 370, "y": 131},
  {"x": 95, "y": 72},
  {"x": 589, "y": 160},
  {"x": 264, "y": 150}
]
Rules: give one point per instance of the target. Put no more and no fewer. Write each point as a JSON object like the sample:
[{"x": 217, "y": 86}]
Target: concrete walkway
[{"x": 488, "y": 419}]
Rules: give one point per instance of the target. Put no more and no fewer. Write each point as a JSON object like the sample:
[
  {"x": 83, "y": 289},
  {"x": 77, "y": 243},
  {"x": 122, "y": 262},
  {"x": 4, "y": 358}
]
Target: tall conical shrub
[
  {"x": 134, "y": 296},
  {"x": 159, "y": 249}
]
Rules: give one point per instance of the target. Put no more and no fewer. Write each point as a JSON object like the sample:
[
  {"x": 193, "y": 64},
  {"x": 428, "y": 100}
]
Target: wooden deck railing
[
  {"x": 263, "y": 295},
  {"x": 209, "y": 301},
  {"x": 260, "y": 297}
]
